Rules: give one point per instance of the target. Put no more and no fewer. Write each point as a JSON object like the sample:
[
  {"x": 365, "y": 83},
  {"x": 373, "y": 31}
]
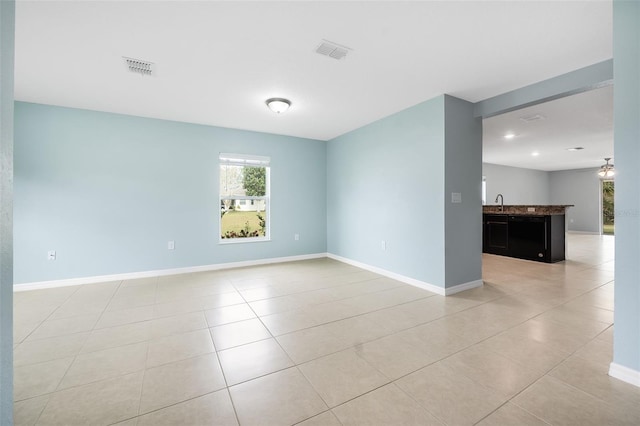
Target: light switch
[
  {"x": 456, "y": 197},
  {"x": 171, "y": 245}
]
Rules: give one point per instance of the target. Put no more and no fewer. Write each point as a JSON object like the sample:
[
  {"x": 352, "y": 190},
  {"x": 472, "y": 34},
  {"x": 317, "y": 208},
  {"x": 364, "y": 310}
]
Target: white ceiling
[
  {"x": 582, "y": 120},
  {"x": 217, "y": 62}
]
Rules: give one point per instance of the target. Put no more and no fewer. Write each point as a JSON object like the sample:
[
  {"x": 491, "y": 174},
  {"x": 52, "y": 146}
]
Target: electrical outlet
[
  {"x": 296, "y": 237},
  {"x": 383, "y": 245},
  {"x": 51, "y": 255},
  {"x": 531, "y": 209},
  {"x": 171, "y": 245}
]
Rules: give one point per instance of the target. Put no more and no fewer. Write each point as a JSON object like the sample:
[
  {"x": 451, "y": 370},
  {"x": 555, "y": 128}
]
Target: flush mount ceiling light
[
  {"x": 606, "y": 170},
  {"x": 278, "y": 105},
  {"x": 509, "y": 135},
  {"x": 535, "y": 153}
]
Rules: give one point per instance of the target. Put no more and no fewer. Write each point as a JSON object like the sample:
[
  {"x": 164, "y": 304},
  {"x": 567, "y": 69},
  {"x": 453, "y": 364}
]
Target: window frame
[{"x": 244, "y": 160}]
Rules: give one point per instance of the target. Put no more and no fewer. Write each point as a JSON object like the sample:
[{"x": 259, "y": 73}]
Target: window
[
  {"x": 244, "y": 198},
  {"x": 484, "y": 190}
]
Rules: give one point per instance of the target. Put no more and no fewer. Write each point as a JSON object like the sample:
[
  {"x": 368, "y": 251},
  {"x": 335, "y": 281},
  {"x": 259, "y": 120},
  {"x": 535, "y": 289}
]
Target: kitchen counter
[
  {"x": 525, "y": 231},
  {"x": 537, "y": 210}
]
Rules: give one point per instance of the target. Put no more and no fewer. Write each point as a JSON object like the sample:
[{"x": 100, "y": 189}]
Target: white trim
[
  {"x": 244, "y": 160},
  {"x": 241, "y": 240},
  {"x": 412, "y": 281},
  {"x": 625, "y": 374},
  {"x": 408, "y": 280},
  {"x": 462, "y": 287},
  {"x": 161, "y": 272},
  {"x": 219, "y": 266}
]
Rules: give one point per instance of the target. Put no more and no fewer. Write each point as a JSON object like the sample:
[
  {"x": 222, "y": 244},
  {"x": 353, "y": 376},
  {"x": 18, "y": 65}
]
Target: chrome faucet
[{"x": 501, "y": 202}]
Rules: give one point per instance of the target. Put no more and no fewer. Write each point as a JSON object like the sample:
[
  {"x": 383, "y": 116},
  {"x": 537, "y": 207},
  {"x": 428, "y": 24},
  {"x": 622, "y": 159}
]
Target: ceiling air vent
[
  {"x": 140, "y": 66},
  {"x": 332, "y": 50},
  {"x": 531, "y": 118}
]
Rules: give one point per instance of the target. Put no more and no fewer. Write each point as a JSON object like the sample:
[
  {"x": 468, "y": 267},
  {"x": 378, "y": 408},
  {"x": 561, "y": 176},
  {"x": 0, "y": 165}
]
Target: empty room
[{"x": 319, "y": 213}]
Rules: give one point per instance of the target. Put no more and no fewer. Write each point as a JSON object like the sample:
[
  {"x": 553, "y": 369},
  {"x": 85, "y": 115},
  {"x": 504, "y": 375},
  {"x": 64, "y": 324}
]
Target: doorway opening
[{"x": 608, "y": 191}]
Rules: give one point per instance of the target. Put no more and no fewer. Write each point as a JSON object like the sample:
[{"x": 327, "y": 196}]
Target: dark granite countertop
[{"x": 528, "y": 209}]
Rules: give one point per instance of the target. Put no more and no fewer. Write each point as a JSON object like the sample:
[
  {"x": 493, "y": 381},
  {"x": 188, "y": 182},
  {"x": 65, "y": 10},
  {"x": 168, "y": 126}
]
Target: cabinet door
[
  {"x": 496, "y": 235},
  {"x": 528, "y": 237}
]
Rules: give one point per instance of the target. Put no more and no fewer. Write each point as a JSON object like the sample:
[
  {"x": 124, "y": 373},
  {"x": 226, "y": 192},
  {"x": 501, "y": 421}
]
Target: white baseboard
[
  {"x": 462, "y": 287},
  {"x": 412, "y": 281},
  {"x": 160, "y": 273},
  {"x": 408, "y": 280},
  {"x": 219, "y": 266},
  {"x": 625, "y": 374}
]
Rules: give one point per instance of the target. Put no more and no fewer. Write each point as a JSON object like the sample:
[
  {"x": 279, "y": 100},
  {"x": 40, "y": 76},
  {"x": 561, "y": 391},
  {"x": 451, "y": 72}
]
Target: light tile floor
[{"x": 324, "y": 343}]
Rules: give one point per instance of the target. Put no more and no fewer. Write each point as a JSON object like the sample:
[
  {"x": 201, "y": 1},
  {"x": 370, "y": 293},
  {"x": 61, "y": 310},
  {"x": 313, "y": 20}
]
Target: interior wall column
[
  {"x": 7, "y": 25},
  {"x": 626, "y": 107},
  {"x": 462, "y": 195}
]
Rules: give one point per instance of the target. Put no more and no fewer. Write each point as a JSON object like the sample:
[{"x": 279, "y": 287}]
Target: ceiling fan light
[
  {"x": 278, "y": 105},
  {"x": 606, "y": 170}
]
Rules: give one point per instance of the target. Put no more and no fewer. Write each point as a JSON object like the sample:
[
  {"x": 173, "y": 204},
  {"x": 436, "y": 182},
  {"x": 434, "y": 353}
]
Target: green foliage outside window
[
  {"x": 608, "y": 215},
  {"x": 243, "y": 220},
  {"x": 254, "y": 181}
]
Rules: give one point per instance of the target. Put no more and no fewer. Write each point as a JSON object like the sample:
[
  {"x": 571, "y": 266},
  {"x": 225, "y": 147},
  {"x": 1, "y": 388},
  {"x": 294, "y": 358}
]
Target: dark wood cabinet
[
  {"x": 531, "y": 237},
  {"x": 496, "y": 234}
]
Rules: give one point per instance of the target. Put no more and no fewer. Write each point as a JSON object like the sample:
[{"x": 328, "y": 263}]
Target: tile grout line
[
  {"x": 146, "y": 359},
  {"x": 550, "y": 308},
  {"x": 75, "y": 356},
  {"x": 224, "y": 376},
  {"x": 49, "y": 316}
]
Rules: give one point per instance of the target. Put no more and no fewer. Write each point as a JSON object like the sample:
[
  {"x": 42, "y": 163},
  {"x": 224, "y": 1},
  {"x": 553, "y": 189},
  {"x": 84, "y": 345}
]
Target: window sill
[{"x": 243, "y": 240}]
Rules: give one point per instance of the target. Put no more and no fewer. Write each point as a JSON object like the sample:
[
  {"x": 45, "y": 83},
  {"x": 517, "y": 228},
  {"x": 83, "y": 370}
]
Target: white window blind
[{"x": 244, "y": 160}]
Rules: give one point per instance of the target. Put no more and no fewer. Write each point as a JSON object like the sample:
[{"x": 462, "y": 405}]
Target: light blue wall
[
  {"x": 626, "y": 53},
  {"x": 7, "y": 25},
  {"x": 517, "y": 185},
  {"x": 385, "y": 181},
  {"x": 463, "y": 175},
  {"x": 392, "y": 181},
  {"x": 108, "y": 191},
  {"x": 581, "y": 188}
]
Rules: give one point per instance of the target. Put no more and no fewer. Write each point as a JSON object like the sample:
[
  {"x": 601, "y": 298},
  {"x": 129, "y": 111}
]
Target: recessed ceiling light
[
  {"x": 278, "y": 105},
  {"x": 535, "y": 153},
  {"x": 577, "y": 148},
  {"x": 509, "y": 136}
]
